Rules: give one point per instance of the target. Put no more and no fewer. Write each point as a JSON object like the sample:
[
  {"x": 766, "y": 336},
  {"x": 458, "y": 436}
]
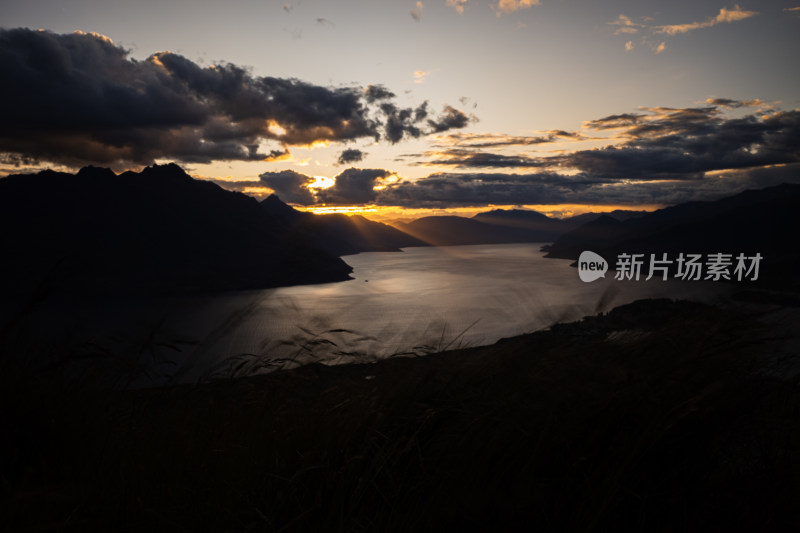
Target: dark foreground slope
[
  {"x": 154, "y": 231},
  {"x": 657, "y": 417}
]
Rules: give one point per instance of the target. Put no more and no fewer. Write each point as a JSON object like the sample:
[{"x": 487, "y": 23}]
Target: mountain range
[
  {"x": 161, "y": 231},
  {"x": 339, "y": 234},
  {"x": 154, "y": 231},
  {"x": 762, "y": 221}
]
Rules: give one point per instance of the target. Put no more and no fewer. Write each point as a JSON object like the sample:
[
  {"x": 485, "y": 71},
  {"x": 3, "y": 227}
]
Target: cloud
[
  {"x": 622, "y": 120},
  {"x": 686, "y": 143},
  {"x": 290, "y": 186},
  {"x": 793, "y": 10},
  {"x": 471, "y": 189},
  {"x": 350, "y": 155},
  {"x": 18, "y": 160},
  {"x": 458, "y": 5},
  {"x": 420, "y": 75},
  {"x": 443, "y": 190},
  {"x": 402, "y": 122},
  {"x": 479, "y": 189},
  {"x": 325, "y": 22},
  {"x": 655, "y": 144},
  {"x": 416, "y": 13},
  {"x": 461, "y": 158},
  {"x": 451, "y": 118},
  {"x": 406, "y": 122},
  {"x": 509, "y": 6},
  {"x": 495, "y": 140},
  {"x": 353, "y": 186},
  {"x": 278, "y": 155},
  {"x": 373, "y": 93},
  {"x": 626, "y": 25},
  {"x": 659, "y": 155},
  {"x": 724, "y": 16},
  {"x": 79, "y": 98},
  {"x": 735, "y": 104}
]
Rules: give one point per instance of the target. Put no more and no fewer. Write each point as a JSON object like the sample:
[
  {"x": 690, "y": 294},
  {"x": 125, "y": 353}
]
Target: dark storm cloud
[
  {"x": 664, "y": 143},
  {"x": 406, "y": 122},
  {"x": 290, "y": 186},
  {"x": 444, "y": 190},
  {"x": 660, "y": 156},
  {"x": 377, "y": 92},
  {"x": 399, "y": 122},
  {"x": 451, "y": 118},
  {"x": 686, "y": 143},
  {"x": 79, "y": 98},
  {"x": 350, "y": 155},
  {"x": 353, "y": 186},
  {"x": 477, "y": 189}
]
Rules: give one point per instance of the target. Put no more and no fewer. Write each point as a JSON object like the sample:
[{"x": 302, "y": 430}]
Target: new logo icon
[{"x": 591, "y": 266}]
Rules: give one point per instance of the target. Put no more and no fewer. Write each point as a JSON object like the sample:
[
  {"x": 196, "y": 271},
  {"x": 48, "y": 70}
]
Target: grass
[
  {"x": 326, "y": 346},
  {"x": 650, "y": 418}
]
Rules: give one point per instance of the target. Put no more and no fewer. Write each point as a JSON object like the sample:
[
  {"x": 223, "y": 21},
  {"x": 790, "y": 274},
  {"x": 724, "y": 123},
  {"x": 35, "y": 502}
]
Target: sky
[{"x": 398, "y": 109}]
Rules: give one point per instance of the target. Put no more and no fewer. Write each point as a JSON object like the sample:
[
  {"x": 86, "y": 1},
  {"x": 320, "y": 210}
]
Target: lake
[{"x": 412, "y": 302}]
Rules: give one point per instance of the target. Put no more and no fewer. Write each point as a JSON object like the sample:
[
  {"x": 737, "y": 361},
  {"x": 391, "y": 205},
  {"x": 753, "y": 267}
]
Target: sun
[{"x": 322, "y": 182}]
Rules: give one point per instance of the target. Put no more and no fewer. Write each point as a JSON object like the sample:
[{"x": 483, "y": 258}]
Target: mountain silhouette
[
  {"x": 493, "y": 227},
  {"x": 340, "y": 234},
  {"x": 455, "y": 230},
  {"x": 755, "y": 221},
  {"x": 154, "y": 231}
]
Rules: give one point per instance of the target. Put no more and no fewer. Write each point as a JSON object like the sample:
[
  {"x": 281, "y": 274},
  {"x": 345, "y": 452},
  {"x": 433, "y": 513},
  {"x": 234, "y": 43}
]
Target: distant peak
[
  {"x": 276, "y": 206},
  {"x": 170, "y": 170},
  {"x": 605, "y": 218},
  {"x": 519, "y": 214},
  {"x": 273, "y": 199},
  {"x": 92, "y": 171}
]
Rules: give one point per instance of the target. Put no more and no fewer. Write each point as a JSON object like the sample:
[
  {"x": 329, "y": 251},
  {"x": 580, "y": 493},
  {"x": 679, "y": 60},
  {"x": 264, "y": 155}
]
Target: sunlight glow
[
  {"x": 322, "y": 182},
  {"x": 343, "y": 209},
  {"x": 392, "y": 214},
  {"x": 276, "y": 129}
]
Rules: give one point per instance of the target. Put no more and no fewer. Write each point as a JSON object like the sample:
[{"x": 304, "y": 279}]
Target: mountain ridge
[{"x": 158, "y": 230}]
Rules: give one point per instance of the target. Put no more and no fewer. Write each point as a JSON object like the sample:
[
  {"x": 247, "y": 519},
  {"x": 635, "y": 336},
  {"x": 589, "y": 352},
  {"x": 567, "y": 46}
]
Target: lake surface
[{"x": 400, "y": 303}]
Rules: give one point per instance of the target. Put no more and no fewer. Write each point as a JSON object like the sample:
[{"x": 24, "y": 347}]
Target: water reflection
[
  {"x": 412, "y": 302},
  {"x": 420, "y": 300}
]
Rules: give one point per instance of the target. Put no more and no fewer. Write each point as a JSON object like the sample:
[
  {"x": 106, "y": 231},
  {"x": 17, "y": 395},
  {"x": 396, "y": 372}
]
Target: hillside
[
  {"x": 760, "y": 221},
  {"x": 157, "y": 231},
  {"x": 659, "y": 416}
]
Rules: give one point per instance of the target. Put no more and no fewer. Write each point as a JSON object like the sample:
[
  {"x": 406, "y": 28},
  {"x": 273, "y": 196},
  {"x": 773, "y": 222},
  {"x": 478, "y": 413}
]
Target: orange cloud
[
  {"x": 725, "y": 15},
  {"x": 509, "y": 6}
]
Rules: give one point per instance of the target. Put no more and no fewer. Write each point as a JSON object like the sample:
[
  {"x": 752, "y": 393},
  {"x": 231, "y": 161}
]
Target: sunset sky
[{"x": 405, "y": 108}]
